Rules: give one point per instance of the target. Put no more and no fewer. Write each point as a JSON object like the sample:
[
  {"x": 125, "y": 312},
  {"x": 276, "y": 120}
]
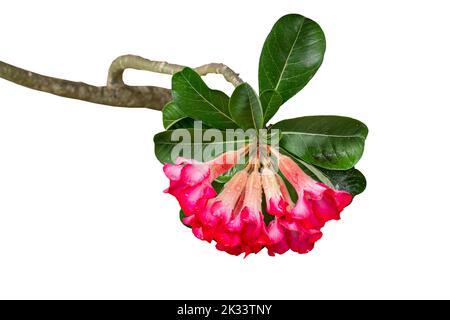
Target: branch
[
  {"x": 119, "y": 65},
  {"x": 222, "y": 69},
  {"x": 116, "y": 93},
  {"x": 117, "y": 96}
]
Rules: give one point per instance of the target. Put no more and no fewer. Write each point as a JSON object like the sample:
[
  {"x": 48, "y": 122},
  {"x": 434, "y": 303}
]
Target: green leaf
[
  {"x": 175, "y": 118},
  {"x": 182, "y": 215},
  {"x": 267, "y": 216},
  {"x": 199, "y": 102},
  {"x": 314, "y": 172},
  {"x": 290, "y": 188},
  {"x": 291, "y": 55},
  {"x": 245, "y": 107},
  {"x": 201, "y": 145},
  {"x": 330, "y": 142},
  {"x": 225, "y": 177},
  {"x": 188, "y": 123},
  {"x": 271, "y": 101},
  {"x": 351, "y": 180},
  {"x": 172, "y": 114},
  {"x": 184, "y": 123},
  {"x": 218, "y": 186}
]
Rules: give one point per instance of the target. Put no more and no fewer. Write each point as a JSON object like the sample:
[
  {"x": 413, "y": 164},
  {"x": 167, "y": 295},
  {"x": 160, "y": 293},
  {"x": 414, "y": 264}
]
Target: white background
[{"x": 82, "y": 213}]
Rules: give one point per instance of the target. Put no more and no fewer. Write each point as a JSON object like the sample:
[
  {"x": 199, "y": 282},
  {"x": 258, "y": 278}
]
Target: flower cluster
[{"x": 234, "y": 218}]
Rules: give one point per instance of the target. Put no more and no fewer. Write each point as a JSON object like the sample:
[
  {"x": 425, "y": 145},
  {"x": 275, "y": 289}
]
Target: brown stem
[
  {"x": 116, "y": 93},
  {"x": 118, "y": 96}
]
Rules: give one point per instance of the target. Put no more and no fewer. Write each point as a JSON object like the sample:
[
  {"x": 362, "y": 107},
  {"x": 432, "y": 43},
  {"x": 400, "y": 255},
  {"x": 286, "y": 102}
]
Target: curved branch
[
  {"x": 119, "y": 96},
  {"x": 222, "y": 69},
  {"x": 116, "y": 93},
  {"x": 119, "y": 65}
]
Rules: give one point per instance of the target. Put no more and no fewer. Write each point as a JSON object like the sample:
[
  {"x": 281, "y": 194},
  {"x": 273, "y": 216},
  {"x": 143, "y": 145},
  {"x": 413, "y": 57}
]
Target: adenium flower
[
  {"x": 190, "y": 180},
  {"x": 317, "y": 203},
  {"x": 234, "y": 218},
  {"x": 245, "y": 231},
  {"x": 285, "y": 232},
  {"x": 220, "y": 211},
  {"x": 277, "y": 196},
  {"x": 288, "y": 234}
]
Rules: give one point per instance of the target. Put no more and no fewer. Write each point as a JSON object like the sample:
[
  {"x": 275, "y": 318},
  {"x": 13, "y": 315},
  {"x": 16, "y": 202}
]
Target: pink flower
[
  {"x": 220, "y": 210},
  {"x": 277, "y": 201},
  {"x": 317, "y": 203},
  {"x": 285, "y": 232},
  {"x": 245, "y": 231},
  {"x": 190, "y": 180},
  {"x": 288, "y": 234},
  {"x": 234, "y": 218}
]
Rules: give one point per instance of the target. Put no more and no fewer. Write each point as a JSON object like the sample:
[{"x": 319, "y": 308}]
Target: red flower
[
  {"x": 245, "y": 231},
  {"x": 288, "y": 234},
  {"x": 317, "y": 203},
  {"x": 190, "y": 180},
  {"x": 276, "y": 202},
  {"x": 220, "y": 211},
  {"x": 234, "y": 218}
]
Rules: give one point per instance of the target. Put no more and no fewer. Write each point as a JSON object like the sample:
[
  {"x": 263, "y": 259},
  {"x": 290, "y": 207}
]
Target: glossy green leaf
[
  {"x": 199, "y": 102},
  {"x": 330, "y": 142},
  {"x": 225, "y": 177},
  {"x": 184, "y": 123},
  {"x": 271, "y": 101},
  {"x": 187, "y": 123},
  {"x": 218, "y": 186},
  {"x": 172, "y": 114},
  {"x": 351, "y": 180},
  {"x": 267, "y": 216},
  {"x": 291, "y": 55},
  {"x": 245, "y": 107},
  {"x": 290, "y": 188},
  {"x": 202, "y": 145},
  {"x": 182, "y": 215}
]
